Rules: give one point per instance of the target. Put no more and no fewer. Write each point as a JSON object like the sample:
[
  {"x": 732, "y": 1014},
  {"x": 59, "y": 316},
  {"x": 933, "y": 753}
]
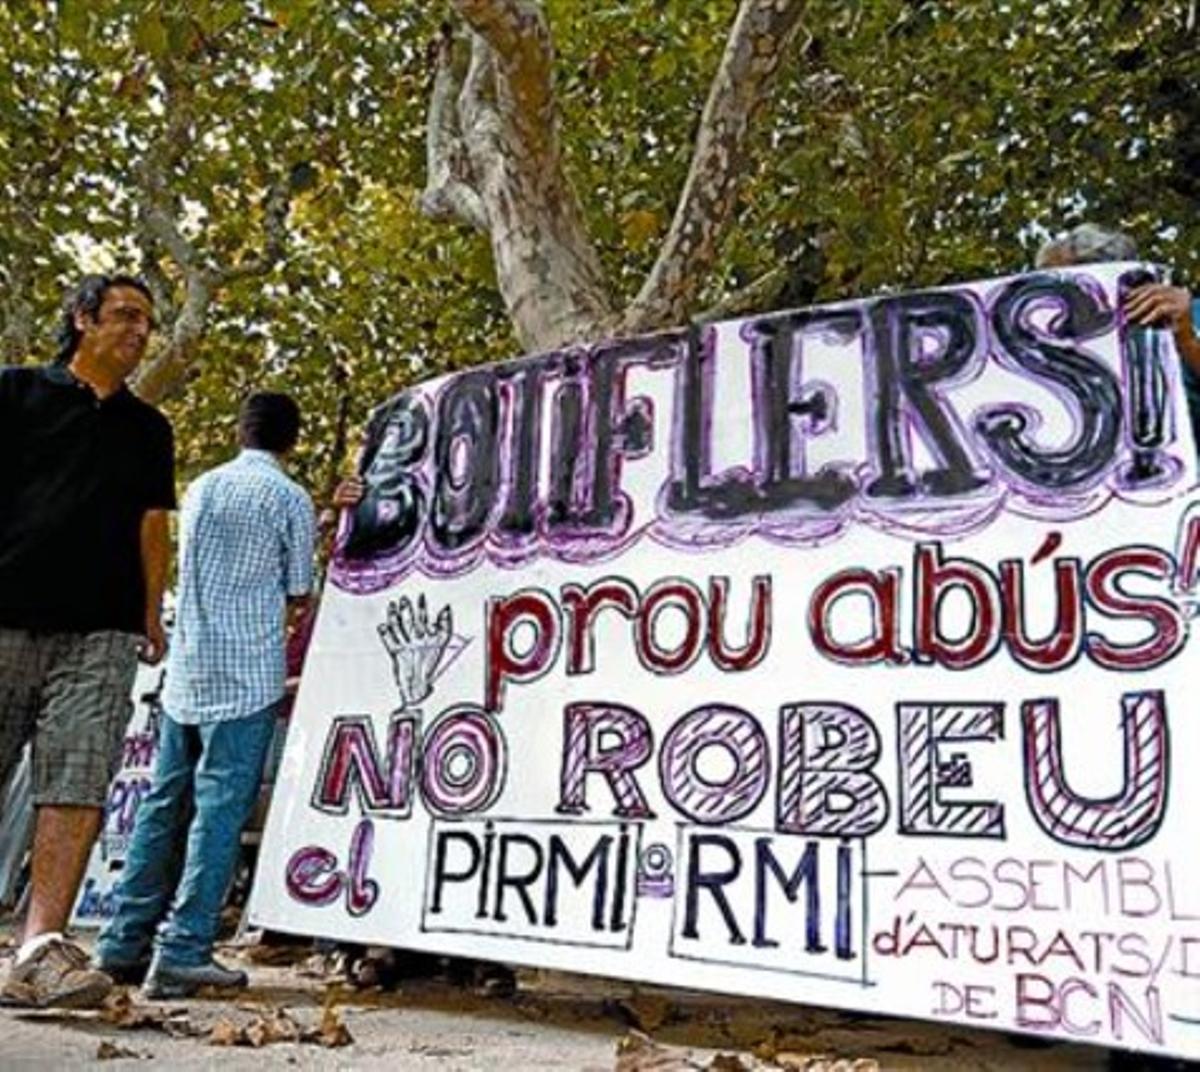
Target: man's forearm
[
  {"x": 156, "y": 558},
  {"x": 1188, "y": 345},
  {"x": 297, "y": 608}
]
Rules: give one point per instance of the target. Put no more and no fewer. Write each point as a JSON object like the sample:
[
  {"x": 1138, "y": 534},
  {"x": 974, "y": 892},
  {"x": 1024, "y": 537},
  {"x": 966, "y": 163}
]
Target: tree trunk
[{"x": 495, "y": 162}]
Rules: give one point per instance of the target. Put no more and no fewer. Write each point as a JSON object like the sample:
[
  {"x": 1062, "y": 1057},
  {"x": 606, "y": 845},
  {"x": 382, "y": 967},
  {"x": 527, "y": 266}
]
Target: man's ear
[{"x": 82, "y": 319}]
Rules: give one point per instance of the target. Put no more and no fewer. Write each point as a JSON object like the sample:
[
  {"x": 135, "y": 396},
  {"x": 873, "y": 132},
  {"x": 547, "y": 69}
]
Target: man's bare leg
[
  {"x": 50, "y": 972},
  {"x": 62, "y": 841}
]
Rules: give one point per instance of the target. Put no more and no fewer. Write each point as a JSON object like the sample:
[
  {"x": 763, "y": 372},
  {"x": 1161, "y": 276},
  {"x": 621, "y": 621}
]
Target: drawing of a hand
[{"x": 415, "y": 646}]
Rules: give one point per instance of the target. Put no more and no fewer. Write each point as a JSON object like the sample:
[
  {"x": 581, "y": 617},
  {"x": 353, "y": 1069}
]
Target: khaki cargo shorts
[{"x": 68, "y": 693}]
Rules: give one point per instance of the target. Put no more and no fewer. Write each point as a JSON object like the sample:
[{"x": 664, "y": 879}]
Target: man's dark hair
[
  {"x": 86, "y": 297},
  {"x": 269, "y": 421}
]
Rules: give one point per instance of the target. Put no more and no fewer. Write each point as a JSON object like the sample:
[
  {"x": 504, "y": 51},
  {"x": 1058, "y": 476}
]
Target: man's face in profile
[{"x": 121, "y": 329}]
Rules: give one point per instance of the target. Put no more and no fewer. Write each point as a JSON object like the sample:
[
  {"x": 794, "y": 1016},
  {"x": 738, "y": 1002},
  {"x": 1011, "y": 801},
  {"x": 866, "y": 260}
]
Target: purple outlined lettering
[
  {"x": 1128, "y": 818},
  {"x": 464, "y": 762},
  {"x": 611, "y": 740},
  {"x": 352, "y": 763},
  {"x": 827, "y": 784},
  {"x": 711, "y": 800},
  {"x": 926, "y": 735}
]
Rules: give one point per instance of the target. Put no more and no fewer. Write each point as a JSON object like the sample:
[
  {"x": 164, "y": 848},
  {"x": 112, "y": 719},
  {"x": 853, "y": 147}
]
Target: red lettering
[
  {"x": 1168, "y": 629},
  {"x": 504, "y": 664}
]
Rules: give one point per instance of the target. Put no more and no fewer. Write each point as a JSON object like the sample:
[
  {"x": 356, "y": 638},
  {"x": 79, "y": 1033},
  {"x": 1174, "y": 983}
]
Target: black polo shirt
[{"x": 76, "y": 476}]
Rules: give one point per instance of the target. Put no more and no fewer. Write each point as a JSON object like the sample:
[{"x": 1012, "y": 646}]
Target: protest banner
[
  {"x": 139, "y": 751},
  {"x": 837, "y": 655}
]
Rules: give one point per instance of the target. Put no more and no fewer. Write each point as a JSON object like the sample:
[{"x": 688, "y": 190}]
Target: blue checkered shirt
[{"x": 247, "y": 534}]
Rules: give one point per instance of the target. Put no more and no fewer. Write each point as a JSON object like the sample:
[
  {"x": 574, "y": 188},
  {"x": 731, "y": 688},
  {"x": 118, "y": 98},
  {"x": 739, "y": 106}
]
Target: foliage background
[{"x": 909, "y": 143}]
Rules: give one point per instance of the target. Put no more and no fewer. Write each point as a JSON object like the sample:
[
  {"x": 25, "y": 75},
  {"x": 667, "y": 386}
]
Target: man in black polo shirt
[{"x": 86, "y": 480}]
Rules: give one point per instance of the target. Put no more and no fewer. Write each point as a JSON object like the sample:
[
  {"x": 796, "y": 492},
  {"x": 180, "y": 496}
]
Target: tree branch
[
  {"x": 506, "y": 25},
  {"x": 757, "y": 44},
  {"x": 159, "y": 228},
  {"x": 277, "y": 205},
  {"x": 476, "y": 101},
  {"x": 169, "y": 365},
  {"x": 168, "y": 368},
  {"x": 166, "y": 371},
  {"x": 448, "y": 192},
  {"x": 162, "y": 224},
  {"x": 518, "y": 37},
  {"x": 163, "y": 154},
  {"x": 156, "y": 278},
  {"x": 547, "y": 268},
  {"x": 486, "y": 135},
  {"x": 790, "y": 284},
  {"x": 756, "y": 296}
]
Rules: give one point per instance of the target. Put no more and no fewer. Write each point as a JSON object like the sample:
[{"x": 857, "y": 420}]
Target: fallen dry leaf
[
  {"x": 121, "y": 1011},
  {"x": 110, "y": 1051},
  {"x": 278, "y": 1025},
  {"x": 180, "y": 1026},
  {"x": 331, "y": 1033},
  {"x": 798, "y": 1062},
  {"x": 275, "y": 1026},
  {"x": 637, "y": 1052},
  {"x": 118, "y": 1010},
  {"x": 647, "y": 1011},
  {"x": 727, "y": 1062},
  {"x": 226, "y": 1033}
]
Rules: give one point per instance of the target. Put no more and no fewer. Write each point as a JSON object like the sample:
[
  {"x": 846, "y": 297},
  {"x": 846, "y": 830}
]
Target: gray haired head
[{"x": 1086, "y": 244}]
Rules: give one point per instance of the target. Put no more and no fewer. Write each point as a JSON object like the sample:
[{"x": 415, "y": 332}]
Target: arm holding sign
[
  {"x": 1150, "y": 305},
  {"x": 349, "y": 492},
  {"x": 1162, "y": 305},
  {"x": 347, "y": 495}
]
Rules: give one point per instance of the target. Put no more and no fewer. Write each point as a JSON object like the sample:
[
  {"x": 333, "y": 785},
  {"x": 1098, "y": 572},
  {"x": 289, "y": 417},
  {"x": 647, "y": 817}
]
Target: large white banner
[{"x": 840, "y": 656}]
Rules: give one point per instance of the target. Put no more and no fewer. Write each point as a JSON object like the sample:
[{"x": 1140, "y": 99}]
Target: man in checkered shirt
[{"x": 247, "y": 535}]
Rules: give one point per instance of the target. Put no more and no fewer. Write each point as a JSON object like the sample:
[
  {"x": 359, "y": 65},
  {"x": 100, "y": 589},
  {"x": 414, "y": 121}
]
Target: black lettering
[
  {"x": 806, "y": 873},
  {"x": 560, "y": 855},
  {"x": 467, "y": 459},
  {"x": 711, "y": 881},
  {"x": 389, "y": 514},
  {"x": 904, "y": 373},
  {"x": 519, "y": 882},
  {"x": 440, "y": 875},
  {"x": 1086, "y": 383}
]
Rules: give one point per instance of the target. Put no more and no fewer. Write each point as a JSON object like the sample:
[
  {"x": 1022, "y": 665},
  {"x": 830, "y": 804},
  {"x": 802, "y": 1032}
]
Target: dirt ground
[{"x": 293, "y": 1018}]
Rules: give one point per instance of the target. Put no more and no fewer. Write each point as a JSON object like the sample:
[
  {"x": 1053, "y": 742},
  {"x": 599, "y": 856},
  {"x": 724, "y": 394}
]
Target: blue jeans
[{"x": 186, "y": 839}]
